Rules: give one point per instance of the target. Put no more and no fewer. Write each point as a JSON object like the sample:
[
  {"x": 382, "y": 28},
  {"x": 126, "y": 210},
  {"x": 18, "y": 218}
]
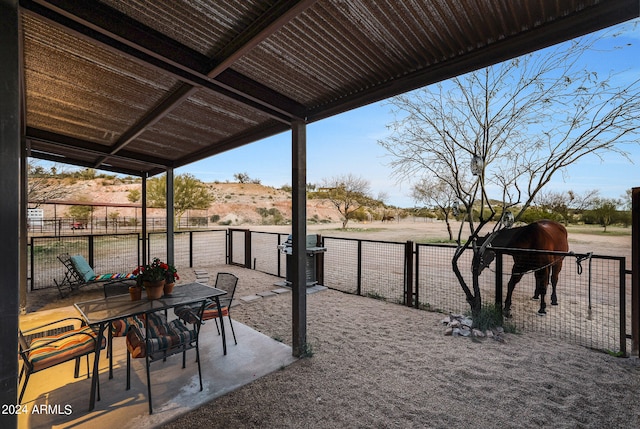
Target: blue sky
[{"x": 347, "y": 143}]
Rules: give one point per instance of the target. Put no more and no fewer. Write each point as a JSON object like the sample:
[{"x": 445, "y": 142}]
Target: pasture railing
[{"x": 592, "y": 296}]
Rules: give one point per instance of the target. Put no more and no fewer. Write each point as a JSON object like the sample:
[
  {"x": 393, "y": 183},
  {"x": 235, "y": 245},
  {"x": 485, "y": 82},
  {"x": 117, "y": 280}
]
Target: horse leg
[
  {"x": 513, "y": 281},
  {"x": 555, "y": 272},
  {"x": 536, "y": 295},
  {"x": 542, "y": 279}
]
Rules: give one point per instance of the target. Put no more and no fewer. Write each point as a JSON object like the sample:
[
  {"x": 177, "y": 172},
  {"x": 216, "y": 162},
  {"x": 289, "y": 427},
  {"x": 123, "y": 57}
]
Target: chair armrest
[
  {"x": 189, "y": 315},
  {"x": 82, "y": 323}
]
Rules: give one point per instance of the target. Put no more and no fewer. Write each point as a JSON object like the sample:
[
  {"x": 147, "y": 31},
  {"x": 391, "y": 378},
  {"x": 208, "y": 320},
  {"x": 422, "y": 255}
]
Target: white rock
[{"x": 465, "y": 332}]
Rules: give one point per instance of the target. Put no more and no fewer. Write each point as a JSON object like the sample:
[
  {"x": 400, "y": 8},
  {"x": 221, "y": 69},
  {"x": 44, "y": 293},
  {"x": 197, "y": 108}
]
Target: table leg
[
  {"x": 110, "y": 350},
  {"x": 96, "y": 363},
  {"x": 224, "y": 338}
]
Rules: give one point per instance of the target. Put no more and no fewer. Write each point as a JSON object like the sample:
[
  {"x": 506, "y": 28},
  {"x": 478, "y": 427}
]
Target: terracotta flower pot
[
  {"x": 136, "y": 293},
  {"x": 168, "y": 288},
  {"x": 154, "y": 289}
]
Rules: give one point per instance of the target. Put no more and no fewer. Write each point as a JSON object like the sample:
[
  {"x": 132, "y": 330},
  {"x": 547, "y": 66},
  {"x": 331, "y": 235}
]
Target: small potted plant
[
  {"x": 170, "y": 279},
  {"x": 152, "y": 277}
]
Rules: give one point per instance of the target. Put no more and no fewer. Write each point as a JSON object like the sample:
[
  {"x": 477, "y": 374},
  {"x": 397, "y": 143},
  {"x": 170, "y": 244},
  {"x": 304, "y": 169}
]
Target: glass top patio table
[
  {"x": 101, "y": 312},
  {"x": 104, "y": 310}
]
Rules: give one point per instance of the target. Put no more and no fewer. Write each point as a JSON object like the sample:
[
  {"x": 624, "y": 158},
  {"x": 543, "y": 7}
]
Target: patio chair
[
  {"x": 79, "y": 273},
  {"x": 160, "y": 339},
  {"x": 226, "y": 282},
  {"x": 119, "y": 328},
  {"x": 42, "y": 348}
]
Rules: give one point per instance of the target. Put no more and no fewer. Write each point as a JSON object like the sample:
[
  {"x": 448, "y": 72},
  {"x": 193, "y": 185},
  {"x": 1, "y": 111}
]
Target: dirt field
[{"x": 377, "y": 364}]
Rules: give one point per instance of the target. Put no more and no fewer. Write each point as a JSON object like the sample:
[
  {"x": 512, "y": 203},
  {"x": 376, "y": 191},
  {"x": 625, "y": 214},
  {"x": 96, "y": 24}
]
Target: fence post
[
  {"x": 190, "y": 249},
  {"x": 91, "y": 254},
  {"x": 416, "y": 267},
  {"x": 32, "y": 262},
  {"x": 635, "y": 271},
  {"x": 408, "y": 273},
  {"x": 623, "y": 305},
  {"x": 359, "y": 280},
  {"x": 319, "y": 260},
  {"x": 498, "y": 300},
  {"x": 139, "y": 248},
  {"x": 247, "y": 249}
]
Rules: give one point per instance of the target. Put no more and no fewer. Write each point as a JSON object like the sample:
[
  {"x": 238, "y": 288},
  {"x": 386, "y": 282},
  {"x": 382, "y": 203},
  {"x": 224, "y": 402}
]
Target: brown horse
[{"x": 546, "y": 235}]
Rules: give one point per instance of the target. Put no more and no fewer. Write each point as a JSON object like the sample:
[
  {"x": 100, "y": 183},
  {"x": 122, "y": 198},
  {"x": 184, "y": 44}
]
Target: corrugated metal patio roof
[{"x": 139, "y": 86}]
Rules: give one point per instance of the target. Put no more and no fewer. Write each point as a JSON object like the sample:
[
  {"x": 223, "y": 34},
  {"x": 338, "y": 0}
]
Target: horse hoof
[
  {"x": 535, "y": 298},
  {"x": 554, "y": 303},
  {"x": 542, "y": 313}
]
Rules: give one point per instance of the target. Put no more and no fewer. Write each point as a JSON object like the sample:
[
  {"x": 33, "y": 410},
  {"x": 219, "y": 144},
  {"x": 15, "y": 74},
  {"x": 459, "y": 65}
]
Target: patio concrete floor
[{"x": 63, "y": 401}]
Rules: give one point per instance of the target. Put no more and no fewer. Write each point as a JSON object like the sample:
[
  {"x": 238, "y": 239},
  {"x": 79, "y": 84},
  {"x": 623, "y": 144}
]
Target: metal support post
[{"x": 299, "y": 236}]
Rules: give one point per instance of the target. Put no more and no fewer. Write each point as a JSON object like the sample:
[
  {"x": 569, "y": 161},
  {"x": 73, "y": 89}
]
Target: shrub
[{"x": 490, "y": 318}]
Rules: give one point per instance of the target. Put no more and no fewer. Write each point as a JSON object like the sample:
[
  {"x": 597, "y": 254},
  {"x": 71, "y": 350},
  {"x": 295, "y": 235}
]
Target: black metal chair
[
  {"x": 224, "y": 281},
  {"x": 160, "y": 339},
  {"x": 42, "y": 348}
]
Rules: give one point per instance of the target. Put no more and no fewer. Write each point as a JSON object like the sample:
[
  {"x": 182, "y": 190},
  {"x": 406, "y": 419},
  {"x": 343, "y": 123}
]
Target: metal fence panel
[
  {"x": 209, "y": 247},
  {"x": 341, "y": 264},
  {"x": 383, "y": 270},
  {"x": 157, "y": 246},
  {"x": 266, "y": 255},
  {"x": 237, "y": 245},
  {"x": 116, "y": 253},
  {"x": 589, "y": 302},
  {"x": 438, "y": 287}
]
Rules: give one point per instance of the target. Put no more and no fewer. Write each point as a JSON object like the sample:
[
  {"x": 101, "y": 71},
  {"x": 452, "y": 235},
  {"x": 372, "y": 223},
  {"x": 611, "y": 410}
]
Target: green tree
[
  {"x": 87, "y": 174},
  {"x": 436, "y": 193},
  {"x": 134, "y": 195},
  {"x": 347, "y": 193},
  {"x": 80, "y": 213},
  {"x": 244, "y": 178},
  {"x": 605, "y": 211},
  {"x": 189, "y": 193}
]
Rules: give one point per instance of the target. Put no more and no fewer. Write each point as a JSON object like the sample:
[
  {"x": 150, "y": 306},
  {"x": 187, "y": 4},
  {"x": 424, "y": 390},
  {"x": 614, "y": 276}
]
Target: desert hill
[{"x": 233, "y": 204}]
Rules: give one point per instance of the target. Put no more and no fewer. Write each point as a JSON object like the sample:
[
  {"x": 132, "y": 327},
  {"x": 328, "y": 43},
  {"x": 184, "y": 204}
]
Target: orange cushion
[
  {"x": 49, "y": 351},
  {"x": 188, "y": 312},
  {"x": 119, "y": 327}
]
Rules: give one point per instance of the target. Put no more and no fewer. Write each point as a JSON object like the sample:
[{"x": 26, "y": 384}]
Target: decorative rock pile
[{"x": 462, "y": 326}]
